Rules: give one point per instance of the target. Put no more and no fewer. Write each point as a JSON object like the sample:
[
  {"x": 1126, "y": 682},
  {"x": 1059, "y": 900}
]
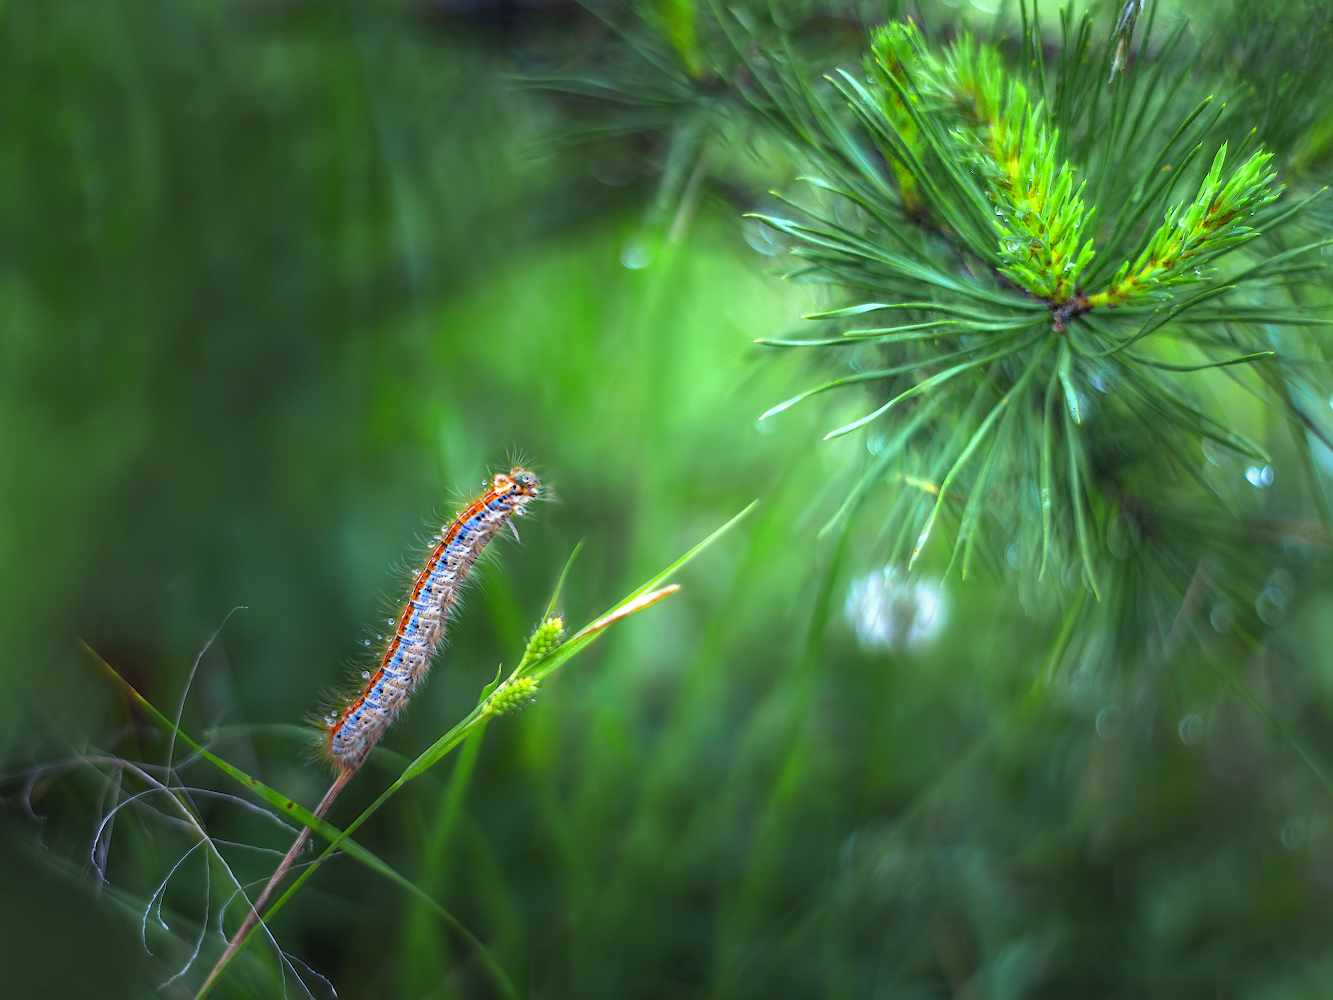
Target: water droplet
[
  {"x": 365, "y": 675},
  {"x": 1222, "y": 618},
  {"x": 1191, "y": 729},
  {"x": 1293, "y": 834},
  {"x": 366, "y": 641},
  {"x": 1259, "y": 477},
  {"x": 1271, "y": 604},
  {"x": 1111, "y": 723},
  {"x": 762, "y": 237},
  {"x": 380, "y": 637},
  {"x": 636, "y": 256}
]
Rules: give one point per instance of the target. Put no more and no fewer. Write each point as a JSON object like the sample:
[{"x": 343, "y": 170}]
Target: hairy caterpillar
[{"x": 352, "y": 733}]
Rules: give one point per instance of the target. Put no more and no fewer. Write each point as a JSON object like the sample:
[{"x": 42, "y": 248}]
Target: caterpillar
[{"x": 352, "y": 732}]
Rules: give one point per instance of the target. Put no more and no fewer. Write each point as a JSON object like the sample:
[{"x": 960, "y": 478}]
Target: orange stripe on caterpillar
[{"x": 358, "y": 727}]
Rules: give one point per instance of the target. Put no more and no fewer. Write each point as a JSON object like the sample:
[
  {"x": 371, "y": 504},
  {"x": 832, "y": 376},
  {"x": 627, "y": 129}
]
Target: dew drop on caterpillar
[{"x": 352, "y": 732}]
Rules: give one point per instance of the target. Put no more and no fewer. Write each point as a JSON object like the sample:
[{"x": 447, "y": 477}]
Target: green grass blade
[
  {"x": 560, "y": 583},
  {"x": 476, "y": 719},
  {"x": 289, "y": 807}
]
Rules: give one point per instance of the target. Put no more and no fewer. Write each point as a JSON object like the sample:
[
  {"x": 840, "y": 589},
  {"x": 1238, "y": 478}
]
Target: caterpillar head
[{"x": 520, "y": 481}]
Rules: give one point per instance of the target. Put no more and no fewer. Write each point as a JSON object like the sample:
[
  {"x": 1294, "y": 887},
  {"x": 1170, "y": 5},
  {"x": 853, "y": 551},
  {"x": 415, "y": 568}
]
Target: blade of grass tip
[
  {"x": 661, "y": 577},
  {"x": 636, "y": 601},
  {"x": 1072, "y": 403},
  {"x": 625, "y": 610},
  {"x": 560, "y": 583},
  {"x": 539, "y": 669},
  {"x": 291, "y": 808}
]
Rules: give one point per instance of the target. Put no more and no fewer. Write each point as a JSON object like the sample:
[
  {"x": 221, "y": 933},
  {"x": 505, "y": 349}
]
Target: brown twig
[{"x": 284, "y": 866}]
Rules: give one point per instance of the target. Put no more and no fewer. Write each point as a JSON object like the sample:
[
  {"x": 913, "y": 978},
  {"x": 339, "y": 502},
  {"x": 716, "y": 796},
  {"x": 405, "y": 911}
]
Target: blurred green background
[{"x": 284, "y": 280}]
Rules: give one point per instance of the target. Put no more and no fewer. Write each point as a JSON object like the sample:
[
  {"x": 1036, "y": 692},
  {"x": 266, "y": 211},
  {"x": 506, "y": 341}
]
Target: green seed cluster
[
  {"x": 512, "y": 696},
  {"x": 544, "y": 639}
]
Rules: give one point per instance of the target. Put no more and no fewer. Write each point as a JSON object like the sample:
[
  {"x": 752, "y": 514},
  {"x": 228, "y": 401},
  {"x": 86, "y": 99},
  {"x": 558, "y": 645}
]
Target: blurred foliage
[{"x": 281, "y": 280}]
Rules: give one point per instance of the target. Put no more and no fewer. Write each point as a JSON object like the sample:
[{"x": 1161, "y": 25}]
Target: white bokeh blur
[{"x": 890, "y": 612}]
